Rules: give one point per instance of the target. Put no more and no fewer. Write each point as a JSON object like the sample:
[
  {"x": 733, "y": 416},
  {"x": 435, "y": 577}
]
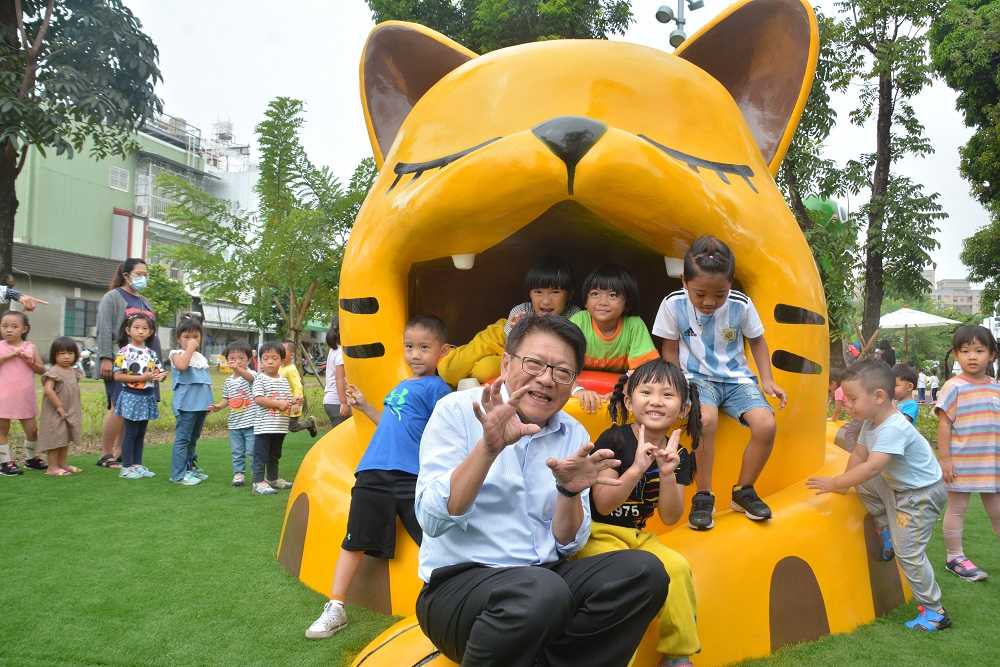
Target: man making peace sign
[{"x": 503, "y": 499}]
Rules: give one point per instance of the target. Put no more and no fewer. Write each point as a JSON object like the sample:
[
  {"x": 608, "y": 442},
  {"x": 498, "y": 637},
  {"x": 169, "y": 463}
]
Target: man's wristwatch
[{"x": 563, "y": 491}]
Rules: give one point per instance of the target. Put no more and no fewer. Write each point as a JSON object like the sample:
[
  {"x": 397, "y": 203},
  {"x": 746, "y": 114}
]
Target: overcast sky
[{"x": 225, "y": 59}]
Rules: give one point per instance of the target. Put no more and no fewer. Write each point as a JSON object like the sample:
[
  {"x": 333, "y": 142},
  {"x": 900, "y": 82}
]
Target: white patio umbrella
[{"x": 908, "y": 318}]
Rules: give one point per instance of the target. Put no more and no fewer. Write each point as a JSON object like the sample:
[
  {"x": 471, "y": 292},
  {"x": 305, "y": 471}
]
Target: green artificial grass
[{"x": 105, "y": 571}]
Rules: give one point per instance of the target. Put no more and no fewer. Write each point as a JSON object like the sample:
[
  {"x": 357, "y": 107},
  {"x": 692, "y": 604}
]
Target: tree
[
  {"x": 72, "y": 73},
  {"x": 981, "y": 253},
  {"x": 166, "y": 295},
  {"x": 965, "y": 50},
  {"x": 890, "y": 39},
  {"x": 486, "y": 25},
  {"x": 287, "y": 265}
]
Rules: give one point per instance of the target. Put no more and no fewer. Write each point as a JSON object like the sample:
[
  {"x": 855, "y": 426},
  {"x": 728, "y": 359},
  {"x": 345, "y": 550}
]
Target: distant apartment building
[
  {"x": 79, "y": 218},
  {"x": 959, "y": 294}
]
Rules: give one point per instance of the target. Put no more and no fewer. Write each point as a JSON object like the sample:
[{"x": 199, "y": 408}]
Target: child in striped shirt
[
  {"x": 968, "y": 411},
  {"x": 237, "y": 395},
  {"x": 703, "y": 327},
  {"x": 274, "y": 400}
]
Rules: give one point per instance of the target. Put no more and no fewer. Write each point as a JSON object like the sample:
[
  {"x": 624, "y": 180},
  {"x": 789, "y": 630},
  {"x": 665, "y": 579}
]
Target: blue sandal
[
  {"x": 887, "y": 552},
  {"x": 928, "y": 620}
]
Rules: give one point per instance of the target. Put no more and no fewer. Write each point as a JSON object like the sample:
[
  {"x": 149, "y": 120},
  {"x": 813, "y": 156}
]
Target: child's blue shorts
[{"x": 734, "y": 399}]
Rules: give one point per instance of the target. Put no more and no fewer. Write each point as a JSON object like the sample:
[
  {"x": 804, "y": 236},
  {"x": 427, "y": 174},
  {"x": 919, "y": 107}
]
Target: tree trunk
[
  {"x": 8, "y": 206},
  {"x": 875, "y": 244},
  {"x": 8, "y": 155},
  {"x": 798, "y": 208}
]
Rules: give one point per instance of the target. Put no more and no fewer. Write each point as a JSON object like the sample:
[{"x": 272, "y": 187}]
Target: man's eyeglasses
[{"x": 536, "y": 367}]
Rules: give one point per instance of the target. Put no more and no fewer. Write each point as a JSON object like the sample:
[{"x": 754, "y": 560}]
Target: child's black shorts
[{"x": 378, "y": 497}]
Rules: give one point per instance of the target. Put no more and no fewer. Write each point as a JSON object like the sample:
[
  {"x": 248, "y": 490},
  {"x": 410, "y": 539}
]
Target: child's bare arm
[
  {"x": 49, "y": 389},
  {"x": 244, "y": 373},
  {"x": 761, "y": 355},
  {"x": 858, "y": 456},
  {"x": 273, "y": 403},
  {"x": 608, "y": 498},
  {"x": 220, "y": 405},
  {"x": 671, "y": 505},
  {"x": 875, "y": 464},
  {"x": 357, "y": 400},
  {"x": 134, "y": 377},
  {"x": 670, "y": 350},
  {"x": 944, "y": 447},
  {"x": 182, "y": 360}
]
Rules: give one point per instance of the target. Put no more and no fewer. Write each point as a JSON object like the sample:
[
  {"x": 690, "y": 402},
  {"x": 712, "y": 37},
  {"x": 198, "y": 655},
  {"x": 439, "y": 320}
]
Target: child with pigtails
[{"x": 653, "y": 469}]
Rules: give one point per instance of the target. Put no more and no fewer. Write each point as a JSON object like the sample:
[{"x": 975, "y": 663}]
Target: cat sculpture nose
[{"x": 570, "y": 137}]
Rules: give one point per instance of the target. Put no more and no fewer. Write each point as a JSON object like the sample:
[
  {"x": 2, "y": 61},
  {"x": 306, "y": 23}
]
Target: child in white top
[{"x": 703, "y": 327}]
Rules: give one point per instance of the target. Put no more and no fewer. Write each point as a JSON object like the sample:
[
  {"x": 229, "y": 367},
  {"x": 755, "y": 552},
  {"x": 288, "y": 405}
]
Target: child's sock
[
  {"x": 5, "y": 456},
  {"x": 337, "y": 598}
]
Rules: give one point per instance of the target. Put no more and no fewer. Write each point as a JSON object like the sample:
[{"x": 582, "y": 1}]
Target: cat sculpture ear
[
  {"x": 764, "y": 52},
  {"x": 400, "y": 62}
]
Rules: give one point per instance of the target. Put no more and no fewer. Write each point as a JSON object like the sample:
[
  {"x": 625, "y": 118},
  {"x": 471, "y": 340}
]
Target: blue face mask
[{"x": 139, "y": 283}]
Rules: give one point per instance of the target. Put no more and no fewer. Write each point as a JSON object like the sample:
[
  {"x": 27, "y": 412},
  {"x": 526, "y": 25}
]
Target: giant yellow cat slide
[{"x": 600, "y": 151}]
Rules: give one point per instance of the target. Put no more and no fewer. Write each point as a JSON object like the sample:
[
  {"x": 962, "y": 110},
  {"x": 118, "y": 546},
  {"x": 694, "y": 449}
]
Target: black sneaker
[
  {"x": 312, "y": 427},
  {"x": 702, "y": 508},
  {"x": 36, "y": 464},
  {"x": 746, "y": 500},
  {"x": 10, "y": 469}
]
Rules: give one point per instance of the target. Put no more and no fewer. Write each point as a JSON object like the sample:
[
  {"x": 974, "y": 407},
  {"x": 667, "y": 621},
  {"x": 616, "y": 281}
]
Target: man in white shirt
[{"x": 503, "y": 500}]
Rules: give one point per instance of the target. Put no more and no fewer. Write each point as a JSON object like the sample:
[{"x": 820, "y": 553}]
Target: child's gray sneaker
[
  {"x": 329, "y": 622},
  {"x": 280, "y": 484}
]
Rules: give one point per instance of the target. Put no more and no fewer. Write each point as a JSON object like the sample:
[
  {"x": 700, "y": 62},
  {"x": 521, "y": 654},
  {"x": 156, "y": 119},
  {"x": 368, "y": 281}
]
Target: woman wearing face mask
[{"x": 123, "y": 299}]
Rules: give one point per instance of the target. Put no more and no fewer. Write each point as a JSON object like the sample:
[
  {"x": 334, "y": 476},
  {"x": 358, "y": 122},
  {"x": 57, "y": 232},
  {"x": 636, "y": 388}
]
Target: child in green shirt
[{"x": 617, "y": 340}]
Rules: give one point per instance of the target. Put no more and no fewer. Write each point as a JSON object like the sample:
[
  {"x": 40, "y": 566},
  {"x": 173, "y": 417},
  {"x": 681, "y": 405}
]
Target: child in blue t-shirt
[
  {"x": 386, "y": 477},
  {"x": 192, "y": 401},
  {"x": 906, "y": 380}
]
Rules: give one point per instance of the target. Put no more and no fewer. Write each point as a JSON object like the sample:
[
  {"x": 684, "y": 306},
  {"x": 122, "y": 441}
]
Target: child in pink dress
[{"x": 19, "y": 361}]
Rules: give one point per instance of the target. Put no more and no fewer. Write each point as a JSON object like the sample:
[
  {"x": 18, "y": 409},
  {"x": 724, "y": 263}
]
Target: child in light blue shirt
[
  {"x": 906, "y": 380},
  {"x": 191, "y": 403}
]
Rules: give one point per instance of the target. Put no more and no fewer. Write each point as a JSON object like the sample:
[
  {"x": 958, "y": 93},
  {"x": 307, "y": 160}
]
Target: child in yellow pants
[
  {"x": 659, "y": 398},
  {"x": 549, "y": 284}
]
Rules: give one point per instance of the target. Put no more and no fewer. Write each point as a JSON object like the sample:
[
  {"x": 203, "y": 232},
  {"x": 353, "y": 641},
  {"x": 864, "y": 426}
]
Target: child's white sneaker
[
  {"x": 263, "y": 489},
  {"x": 280, "y": 484},
  {"x": 333, "y": 618},
  {"x": 238, "y": 479}
]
